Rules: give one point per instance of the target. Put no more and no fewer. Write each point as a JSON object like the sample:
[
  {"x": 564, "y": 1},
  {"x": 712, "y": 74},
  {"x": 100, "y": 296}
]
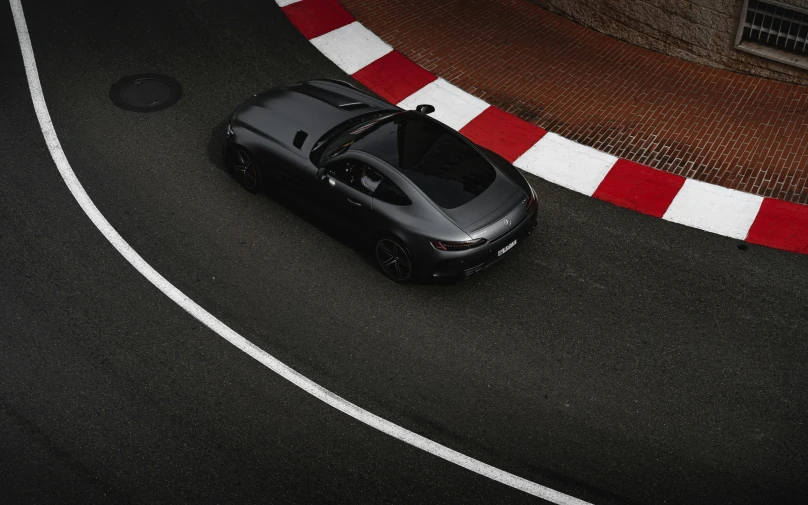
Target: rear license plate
[{"x": 506, "y": 248}]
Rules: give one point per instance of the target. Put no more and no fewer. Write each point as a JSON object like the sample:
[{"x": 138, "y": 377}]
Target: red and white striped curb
[{"x": 388, "y": 73}]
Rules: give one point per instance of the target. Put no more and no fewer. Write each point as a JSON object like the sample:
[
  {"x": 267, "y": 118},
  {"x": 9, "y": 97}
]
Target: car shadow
[{"x": 215, "y": 143}]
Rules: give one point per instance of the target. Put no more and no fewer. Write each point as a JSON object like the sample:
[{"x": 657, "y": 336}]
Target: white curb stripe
[
  {"x": 713, "y": 208},
  {"x": 206, "y": 318},
  {"x": 453, "y": 106},
  {"x": 352, "y": 47},
  {"x": 284, "y": 3},
  {"x": 561, "y": 161},
  {"x": 567, "y": 163}
]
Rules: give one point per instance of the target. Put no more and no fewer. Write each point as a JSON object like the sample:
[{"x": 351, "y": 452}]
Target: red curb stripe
[
  {"x": 394, "y": 77},
  {"x": 782, "y": 225},
  {"x": 778, "y": 224},
  {"x": 317, "y": 17},
  {"x": 639, "y": 187},
  {"x": 503, "y": 133}
]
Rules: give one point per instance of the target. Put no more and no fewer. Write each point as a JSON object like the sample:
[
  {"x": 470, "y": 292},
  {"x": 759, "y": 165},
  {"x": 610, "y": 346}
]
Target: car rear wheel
[
  {"x": 245, "y": 170},
  {"x": 394, "y": 260}
]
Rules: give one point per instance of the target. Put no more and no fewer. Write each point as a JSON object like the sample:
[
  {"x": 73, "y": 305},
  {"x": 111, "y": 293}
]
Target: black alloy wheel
[
  {"x": 245, "y": 170},
  {"x": 394, "y": 260}
]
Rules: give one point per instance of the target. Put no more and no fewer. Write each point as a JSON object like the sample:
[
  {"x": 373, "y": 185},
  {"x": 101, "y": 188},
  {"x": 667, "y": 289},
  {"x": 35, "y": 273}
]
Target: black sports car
[{"x": 434, "y": 203}]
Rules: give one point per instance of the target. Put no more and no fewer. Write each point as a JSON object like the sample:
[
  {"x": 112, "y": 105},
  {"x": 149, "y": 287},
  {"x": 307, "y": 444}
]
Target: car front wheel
[{"x": 245, "y": 170}]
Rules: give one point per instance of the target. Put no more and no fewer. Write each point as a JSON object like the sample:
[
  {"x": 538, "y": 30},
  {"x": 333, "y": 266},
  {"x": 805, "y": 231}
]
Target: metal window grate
[
  {"x": 774, "y": 30},
  {"x": 776, "y": 25}
]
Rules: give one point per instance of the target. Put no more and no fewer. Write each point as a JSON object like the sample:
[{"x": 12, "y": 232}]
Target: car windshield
[
  {"x": 338, "y": 139},
  {"x": 447, "y": 169}
]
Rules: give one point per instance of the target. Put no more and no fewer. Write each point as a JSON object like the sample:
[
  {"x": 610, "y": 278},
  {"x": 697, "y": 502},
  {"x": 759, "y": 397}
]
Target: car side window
[
  {"x": 356, "y": 174},
  {"x": 388, "y": 192}
]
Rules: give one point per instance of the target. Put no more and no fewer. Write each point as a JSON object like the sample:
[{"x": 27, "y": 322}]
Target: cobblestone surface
[{"x": 721, "y": 127}]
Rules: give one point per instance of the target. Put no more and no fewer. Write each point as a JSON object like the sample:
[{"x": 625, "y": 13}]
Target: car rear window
[{"x": 448, "y": 170}]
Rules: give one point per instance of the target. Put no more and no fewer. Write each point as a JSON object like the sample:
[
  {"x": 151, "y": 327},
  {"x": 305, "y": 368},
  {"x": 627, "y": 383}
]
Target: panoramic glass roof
[{"x": 447, "y": 169}]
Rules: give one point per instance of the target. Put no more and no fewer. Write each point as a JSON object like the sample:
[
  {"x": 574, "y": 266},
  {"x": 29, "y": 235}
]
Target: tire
[
  {"x": 394, "y": 259},
  {"x": 245, "y": 170}
]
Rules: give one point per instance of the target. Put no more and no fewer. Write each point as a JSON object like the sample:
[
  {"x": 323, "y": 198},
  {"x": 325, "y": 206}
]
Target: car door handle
[{"x": 354, "y": 202}]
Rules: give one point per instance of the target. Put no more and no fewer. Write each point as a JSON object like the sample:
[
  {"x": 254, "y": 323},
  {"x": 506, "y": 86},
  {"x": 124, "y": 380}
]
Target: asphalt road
[{"x": 615, "y": 357}]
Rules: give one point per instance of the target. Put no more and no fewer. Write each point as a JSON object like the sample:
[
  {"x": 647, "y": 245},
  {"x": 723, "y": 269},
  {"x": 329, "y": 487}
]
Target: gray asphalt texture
[{"x": 613, "y": 356}]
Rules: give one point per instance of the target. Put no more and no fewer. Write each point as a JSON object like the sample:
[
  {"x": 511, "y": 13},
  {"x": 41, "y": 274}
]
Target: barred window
[{"x": 774, "y": 30}]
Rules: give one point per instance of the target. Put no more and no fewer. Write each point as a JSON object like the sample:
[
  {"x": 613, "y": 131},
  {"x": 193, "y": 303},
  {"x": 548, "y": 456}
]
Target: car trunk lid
[{"x": 485, "y": 216}]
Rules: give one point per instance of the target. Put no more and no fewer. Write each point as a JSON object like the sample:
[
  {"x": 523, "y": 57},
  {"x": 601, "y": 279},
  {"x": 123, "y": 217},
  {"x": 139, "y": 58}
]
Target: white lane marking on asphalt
[
  {"x": 453, "y": 106},
  {"x": 352, "y": 47},
  {"x": 284, "y": 3},
  {"x": 713, "y": 208},
  {"x": 224, "y": 331},
  {"x": 567, "y": 163}
]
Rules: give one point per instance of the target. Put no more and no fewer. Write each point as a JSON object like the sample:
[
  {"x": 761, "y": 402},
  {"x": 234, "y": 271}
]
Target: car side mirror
[
  {"x": 321, "y": 174},
  {"x": 425, "y": 108}
]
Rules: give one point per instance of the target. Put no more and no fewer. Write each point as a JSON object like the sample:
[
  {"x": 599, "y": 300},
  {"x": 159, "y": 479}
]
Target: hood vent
[
  {"x": 328, "y": 96},
  {"x": 300, "y": 137},
  {"x": 352, "y": 105}
]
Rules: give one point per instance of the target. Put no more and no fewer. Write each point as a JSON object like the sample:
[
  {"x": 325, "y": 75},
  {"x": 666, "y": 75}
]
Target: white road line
[
  {"x": 206, "y": 318},
  {"x": 713, "y": 208},
  {"x": 284, "y": 3},
  {"x": 567, "y": 163}
]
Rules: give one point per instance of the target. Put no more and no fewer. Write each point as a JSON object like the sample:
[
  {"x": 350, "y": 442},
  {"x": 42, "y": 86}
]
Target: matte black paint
[{"x": 282, "y": 126}]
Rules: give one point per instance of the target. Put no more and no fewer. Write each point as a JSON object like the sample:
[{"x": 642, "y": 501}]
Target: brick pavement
[{"x": 720, "y": 127}]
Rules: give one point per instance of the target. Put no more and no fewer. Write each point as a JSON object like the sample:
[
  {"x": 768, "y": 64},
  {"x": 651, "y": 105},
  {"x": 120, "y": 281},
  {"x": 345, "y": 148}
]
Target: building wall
[{"x": 702, "y": 31}]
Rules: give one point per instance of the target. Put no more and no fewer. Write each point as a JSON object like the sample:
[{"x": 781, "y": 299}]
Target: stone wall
[{"x": 702, "y": 31}]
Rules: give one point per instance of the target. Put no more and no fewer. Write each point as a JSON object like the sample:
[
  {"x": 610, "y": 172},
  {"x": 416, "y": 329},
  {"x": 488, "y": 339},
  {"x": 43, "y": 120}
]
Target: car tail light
[{"x": 457, "y": 246}]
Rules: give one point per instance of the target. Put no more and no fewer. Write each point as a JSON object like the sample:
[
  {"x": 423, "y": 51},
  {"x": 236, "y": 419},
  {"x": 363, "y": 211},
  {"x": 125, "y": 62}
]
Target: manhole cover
[{"x": 145, "y": 92}]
